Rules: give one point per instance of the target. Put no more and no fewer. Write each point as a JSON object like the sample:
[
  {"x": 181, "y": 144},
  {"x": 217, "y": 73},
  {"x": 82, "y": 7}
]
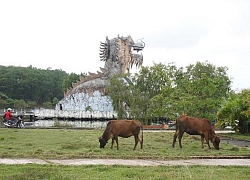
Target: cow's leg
[
  {"x": 174, "y": 138},
  {"x": 136, "y": 140},
  {"x": 116, "y": 140},
  {"x": 207, "y": 140},
  {"x": 180, "y": 137},
  {"x": 202, "y": 141},
  {"x": 112, "y": 143}
]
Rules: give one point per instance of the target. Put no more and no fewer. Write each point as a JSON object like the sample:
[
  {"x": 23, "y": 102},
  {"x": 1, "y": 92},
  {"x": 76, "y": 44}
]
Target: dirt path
[{"x": 129, "y": 162}]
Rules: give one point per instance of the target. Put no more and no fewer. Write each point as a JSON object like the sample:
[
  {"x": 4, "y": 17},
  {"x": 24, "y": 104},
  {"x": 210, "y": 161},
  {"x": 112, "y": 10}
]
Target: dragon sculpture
[{"x": 120, "y": 54}]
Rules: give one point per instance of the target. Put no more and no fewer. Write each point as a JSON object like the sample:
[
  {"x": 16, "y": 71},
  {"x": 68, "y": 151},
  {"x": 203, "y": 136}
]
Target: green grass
[
  {"x": 32, "y": 171},
  {"x": 68, "y": 144}
]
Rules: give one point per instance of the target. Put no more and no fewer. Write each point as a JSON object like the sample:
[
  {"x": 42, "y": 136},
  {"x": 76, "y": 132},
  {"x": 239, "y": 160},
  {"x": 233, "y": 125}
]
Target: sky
[{"x": 66, "y": 34}]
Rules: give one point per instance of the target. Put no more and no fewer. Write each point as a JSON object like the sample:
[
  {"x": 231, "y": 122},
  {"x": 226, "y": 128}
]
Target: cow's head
[
  {"x": 216, "y": 142},
  {"x": 102, "y": 142}
]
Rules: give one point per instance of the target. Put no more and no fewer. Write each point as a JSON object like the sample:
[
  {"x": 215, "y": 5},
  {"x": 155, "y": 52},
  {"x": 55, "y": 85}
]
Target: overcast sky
[{"x": 65, "y": 34}]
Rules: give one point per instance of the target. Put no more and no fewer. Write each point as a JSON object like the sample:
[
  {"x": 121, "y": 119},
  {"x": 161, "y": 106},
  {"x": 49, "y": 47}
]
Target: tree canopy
[
  {"x": 167, "y": 91},
  {"x": 235, "y": 112},
  {"x": 32, "y": 85}
]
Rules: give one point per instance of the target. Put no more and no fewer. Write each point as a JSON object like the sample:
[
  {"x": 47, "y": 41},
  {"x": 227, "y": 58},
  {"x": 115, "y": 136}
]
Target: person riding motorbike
[{"x": 8, "y": 117}]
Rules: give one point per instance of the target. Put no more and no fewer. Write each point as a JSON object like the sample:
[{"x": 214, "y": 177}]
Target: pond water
[{"x": 66, "y": 123}]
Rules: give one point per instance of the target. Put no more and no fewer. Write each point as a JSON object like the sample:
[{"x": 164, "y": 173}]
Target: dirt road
[{"x": 127, "y": 162}]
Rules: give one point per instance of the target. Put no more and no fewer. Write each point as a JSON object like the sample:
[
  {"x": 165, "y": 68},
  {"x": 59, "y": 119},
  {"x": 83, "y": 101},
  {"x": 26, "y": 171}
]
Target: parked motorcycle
[{"x": 15, "y": 123}]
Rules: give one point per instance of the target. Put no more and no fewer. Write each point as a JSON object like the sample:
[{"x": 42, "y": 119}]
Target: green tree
[
  {"x": 202, "y": 87},
  {"x": 31, "y": 84},
  {"x": 55, "y": 101},
  {"x": 118, "y": 91},
  {"x": 139, "y": 92},
  {"x": 2, "y": 95},
  {"x": 161, "y": 84},
  {"x": 167, "y": 91},
  {"x": 234, "y": 112},
  {"x": 31, "y": 104},
  {"x": 20, "y": 104},
  {"x": 69, "y": 79},
  {"x": 47, "y": 105}
]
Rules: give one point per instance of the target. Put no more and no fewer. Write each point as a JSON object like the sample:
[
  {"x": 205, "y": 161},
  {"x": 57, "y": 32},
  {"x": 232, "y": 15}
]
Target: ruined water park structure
[{"x": 87, "y": 99}]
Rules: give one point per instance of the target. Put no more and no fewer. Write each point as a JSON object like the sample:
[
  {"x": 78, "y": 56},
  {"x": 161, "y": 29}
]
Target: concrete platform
[{"x": 129, "y": 162}]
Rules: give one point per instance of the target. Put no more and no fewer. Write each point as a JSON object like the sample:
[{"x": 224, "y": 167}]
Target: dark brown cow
[
  {"x": 196, "y": 126},
  {"x": 121, "y": 128}
]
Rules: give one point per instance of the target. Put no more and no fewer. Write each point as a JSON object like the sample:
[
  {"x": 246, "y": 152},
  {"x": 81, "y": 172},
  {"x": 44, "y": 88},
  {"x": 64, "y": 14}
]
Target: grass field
[
  {"x": 68, "y": 144},
  {"x": 49, "y": 172}
]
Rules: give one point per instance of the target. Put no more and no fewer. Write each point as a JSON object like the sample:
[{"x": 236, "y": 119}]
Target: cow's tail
[{"x": 142, "y": 136}]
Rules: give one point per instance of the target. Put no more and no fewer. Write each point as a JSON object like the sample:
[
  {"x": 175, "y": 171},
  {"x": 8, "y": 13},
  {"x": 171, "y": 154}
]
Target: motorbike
[{"x": 15, "y": 123}]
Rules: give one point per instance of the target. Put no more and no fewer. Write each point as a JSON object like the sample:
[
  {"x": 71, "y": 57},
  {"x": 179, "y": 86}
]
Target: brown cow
[
  {"x": 121, "y": 128},
  {"x": 196, "y": 126}
]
